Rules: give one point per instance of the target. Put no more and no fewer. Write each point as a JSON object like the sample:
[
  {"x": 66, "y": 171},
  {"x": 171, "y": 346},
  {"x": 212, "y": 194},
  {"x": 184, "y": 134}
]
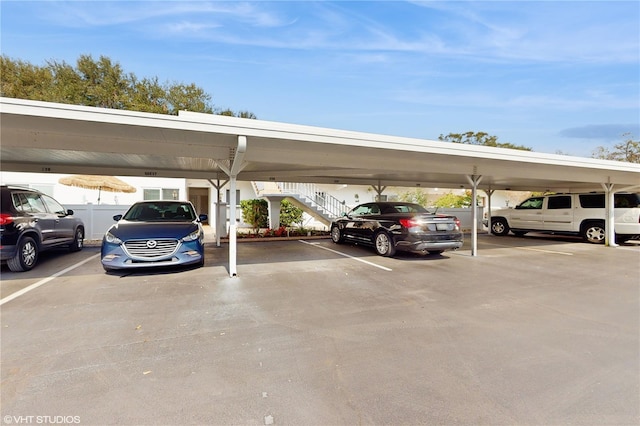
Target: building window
[
  {"x": 160, "y": 194},
  {"x": 151, "y": 194},
  {"x": 170, "y": 193}
]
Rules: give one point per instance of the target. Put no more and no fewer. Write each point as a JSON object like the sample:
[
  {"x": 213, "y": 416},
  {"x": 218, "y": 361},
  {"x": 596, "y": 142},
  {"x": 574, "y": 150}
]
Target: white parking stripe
[
  {"x": 45, "y": 280},
  {"x": 545, "y": 251},
  {"x": 346, "y": 255},
  {"x": 529, "y": 248}
]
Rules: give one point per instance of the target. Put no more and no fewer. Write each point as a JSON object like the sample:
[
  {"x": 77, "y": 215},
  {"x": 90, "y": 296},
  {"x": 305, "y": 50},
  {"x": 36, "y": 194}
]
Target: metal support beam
[
  {"x": 610, "y": 221},
  {"x": 474, "y": 180},
  {"x": 379, "y": 190},
  {"x": 489, "y": 194},
  {"x": 218, "y": 217},
  {"x": 236, "y": 165}
]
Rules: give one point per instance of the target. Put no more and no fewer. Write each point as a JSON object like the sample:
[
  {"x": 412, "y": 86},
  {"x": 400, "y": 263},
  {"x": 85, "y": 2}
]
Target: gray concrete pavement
[{"x": 545, "y": 332}]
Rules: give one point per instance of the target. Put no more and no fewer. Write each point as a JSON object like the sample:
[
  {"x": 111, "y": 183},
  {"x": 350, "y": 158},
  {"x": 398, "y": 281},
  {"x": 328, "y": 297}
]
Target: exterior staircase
[{"x": 309, "y": 197}]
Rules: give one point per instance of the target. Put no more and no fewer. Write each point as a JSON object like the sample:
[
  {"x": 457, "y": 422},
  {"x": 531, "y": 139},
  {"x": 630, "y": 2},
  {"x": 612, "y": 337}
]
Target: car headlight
[
  {"x": 112, "y": 239},
  {"x": 192, "y": 236}
]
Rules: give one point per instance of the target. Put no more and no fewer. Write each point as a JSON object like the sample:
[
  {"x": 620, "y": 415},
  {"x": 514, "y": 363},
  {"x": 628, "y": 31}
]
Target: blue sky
[{"x": 552, "y": 75}]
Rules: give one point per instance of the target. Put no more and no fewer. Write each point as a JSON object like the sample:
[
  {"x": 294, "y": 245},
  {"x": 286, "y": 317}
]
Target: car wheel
[
  {"x": 336, "y": 235},
  {"x": 593, "y": 232},
  {"x": 78, "y": 241},
  {"x": 26, "y": 255},
  {"x": 384, "y": 244},
  {"x": 499, "y": 227}
]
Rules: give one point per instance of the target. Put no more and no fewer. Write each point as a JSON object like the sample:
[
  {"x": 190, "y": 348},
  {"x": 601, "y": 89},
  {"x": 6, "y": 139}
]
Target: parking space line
[
  {"x": 545, "y": 251},
  {"x": 45, "y": 280},
  {"x": 346, "y": 255},
  {"x": 529, "y": 248}
]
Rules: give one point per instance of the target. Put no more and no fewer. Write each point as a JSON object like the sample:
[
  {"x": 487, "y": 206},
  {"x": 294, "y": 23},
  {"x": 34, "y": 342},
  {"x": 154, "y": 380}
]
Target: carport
[{"x": 47, "y": 137}]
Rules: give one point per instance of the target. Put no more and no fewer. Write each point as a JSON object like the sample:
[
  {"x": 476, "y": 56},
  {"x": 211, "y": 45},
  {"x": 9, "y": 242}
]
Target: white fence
[{"x": 97, "y": 218}]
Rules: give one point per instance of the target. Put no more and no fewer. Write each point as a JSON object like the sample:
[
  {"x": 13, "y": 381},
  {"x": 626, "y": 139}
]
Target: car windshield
[{"x": 161, "y": 211}]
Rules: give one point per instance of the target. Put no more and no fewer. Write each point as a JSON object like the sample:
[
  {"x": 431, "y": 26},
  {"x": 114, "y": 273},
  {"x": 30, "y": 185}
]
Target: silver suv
[{"x": 577, "y": 214}]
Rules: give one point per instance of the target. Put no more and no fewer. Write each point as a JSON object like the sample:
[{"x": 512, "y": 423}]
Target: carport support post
[
  {"x": 489, "y": 194},
  {"x": 236, "y": 165},
  {"x": 274, "y": 211},
  {"x": 609, "y": 226},
  {"x": 474, "y": 180},
  {"x": 233, "y": 270},
  {"x": 218, "y": 216}
]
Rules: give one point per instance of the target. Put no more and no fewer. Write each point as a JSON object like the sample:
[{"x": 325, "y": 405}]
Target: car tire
[
  {"x": 383, "y": 244},
  {"x": 519, "y": 233},
  {"x": 26, "y": 255},
  {"x": 336, "y": 234},
  {"x": 499, "y": 227},
  {"x": 78, "y": 241},
  {"x": 593, "y": 232}
]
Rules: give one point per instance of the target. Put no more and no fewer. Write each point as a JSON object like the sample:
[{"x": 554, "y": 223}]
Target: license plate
[{"x": 442, "y": 227}]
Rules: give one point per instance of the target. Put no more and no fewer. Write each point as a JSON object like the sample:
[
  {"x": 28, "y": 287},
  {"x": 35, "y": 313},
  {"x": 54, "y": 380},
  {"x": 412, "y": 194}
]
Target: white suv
[{"x": 578, "y": 214}]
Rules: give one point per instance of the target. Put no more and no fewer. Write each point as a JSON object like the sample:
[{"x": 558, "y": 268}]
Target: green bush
[
  {"x": 255, "y": 212},
  {"x": 289, "y": 213}
]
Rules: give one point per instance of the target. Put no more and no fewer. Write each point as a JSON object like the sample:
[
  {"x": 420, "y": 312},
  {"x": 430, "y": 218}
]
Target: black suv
[{"x": 31, "y": 222}]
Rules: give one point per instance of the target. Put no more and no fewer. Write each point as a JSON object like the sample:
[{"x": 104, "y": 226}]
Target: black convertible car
[{"x": 389, "y": 226}]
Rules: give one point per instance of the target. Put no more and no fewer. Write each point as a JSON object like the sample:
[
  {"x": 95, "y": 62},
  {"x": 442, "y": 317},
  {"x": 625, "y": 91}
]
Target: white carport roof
[{"x": 60, "y": 138}]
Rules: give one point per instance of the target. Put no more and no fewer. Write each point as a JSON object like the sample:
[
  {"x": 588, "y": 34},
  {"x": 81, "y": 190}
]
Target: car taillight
[
  {"x": 5, "y": 219},
  {"x": 409, "y": 223},
  {"x": 457, "y": 221}
]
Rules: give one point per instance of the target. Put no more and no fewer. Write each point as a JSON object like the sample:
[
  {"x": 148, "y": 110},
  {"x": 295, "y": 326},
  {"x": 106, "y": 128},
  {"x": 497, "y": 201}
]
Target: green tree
[
  {"x": 255, "y": 212},
  {"x": 480, "y": 138},
  {"x": 22, "y": 80},
  {"x": 452, "y": 200},
  {"x": 102, "y": 83},
  {"x": 289, "y": 213},
  {"x": 417, "y": 195},
  {"x": 628, "y": 150}
]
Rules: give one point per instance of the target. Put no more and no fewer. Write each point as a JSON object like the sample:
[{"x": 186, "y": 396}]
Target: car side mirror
[
  {"x": 203, "y": 218},
  {"x": 69, "y": 212},
  {"x": 117, "y": 217}
]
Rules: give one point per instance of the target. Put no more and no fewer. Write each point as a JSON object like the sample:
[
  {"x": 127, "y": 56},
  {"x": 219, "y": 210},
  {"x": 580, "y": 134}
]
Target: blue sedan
[{"x": 152, "y": 234}]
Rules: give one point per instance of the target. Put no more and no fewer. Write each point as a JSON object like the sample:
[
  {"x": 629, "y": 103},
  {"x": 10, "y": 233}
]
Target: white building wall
[{"x": 48, "y": 183}]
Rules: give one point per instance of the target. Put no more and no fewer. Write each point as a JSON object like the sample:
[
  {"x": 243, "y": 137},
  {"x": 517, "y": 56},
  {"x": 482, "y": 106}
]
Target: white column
[
  {"x": 609, "y": 226},
  {"x": 474, "y": 181}
]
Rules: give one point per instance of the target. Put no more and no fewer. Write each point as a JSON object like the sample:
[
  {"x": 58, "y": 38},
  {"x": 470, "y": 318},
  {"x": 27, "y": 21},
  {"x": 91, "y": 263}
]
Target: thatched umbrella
[{"x": 101, "y": 183}]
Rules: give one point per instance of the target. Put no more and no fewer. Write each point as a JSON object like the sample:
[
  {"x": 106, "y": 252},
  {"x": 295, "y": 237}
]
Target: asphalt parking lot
[{"x": 532, "y": 331}]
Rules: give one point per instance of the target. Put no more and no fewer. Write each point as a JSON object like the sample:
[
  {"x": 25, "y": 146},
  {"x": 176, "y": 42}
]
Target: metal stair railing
[{"x": 327, "y": 203}]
